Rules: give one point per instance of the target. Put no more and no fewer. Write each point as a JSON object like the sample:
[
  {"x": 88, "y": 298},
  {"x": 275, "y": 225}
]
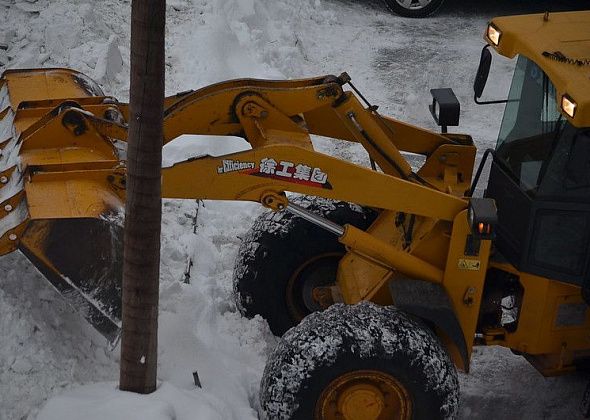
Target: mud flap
[
  {"x": 83, "y": 259},
  {"x": 430, "y": 302}
]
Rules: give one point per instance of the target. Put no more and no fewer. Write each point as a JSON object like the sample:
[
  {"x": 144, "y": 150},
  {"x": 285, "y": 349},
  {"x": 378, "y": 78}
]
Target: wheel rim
[
  {"x": 364, "y": 395},
  {"x": 413, "y": 4},
  {"x": 305, "y": 285}
]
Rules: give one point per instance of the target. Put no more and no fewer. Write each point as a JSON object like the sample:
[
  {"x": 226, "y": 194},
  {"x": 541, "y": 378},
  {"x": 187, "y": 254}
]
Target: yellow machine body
[
  {"x": 63, "y": 189},
  {"x": 552, "y": 40}
]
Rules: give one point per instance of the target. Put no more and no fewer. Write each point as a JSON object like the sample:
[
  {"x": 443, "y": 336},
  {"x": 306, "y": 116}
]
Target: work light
[
  {"x": 494, "y": 34},
  {"x": 568, "y": 105}
]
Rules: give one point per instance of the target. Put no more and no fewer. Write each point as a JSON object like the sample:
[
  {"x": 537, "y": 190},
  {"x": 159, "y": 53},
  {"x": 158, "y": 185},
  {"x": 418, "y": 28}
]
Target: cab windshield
[{"x": 542, "y": 151}]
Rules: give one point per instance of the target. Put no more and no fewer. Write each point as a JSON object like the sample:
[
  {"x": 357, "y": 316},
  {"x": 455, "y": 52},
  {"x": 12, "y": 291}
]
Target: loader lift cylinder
[
  {"x": 370, "y": 247},
  {"x": 322, "y": 222}
]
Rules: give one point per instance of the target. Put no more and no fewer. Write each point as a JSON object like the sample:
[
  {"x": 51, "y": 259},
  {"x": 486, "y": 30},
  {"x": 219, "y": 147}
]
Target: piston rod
[{"x": 317, "y": 220}]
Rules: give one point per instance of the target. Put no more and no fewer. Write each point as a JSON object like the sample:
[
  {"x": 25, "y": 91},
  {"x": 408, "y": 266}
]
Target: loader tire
[
  {"x": 283, "y": 258},
  {"x": 358, "y": 362}
]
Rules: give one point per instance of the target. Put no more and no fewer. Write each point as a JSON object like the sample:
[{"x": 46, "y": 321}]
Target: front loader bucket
[
  {"x": 62, "y": 187},
  {"x": 82, "y": 259}
]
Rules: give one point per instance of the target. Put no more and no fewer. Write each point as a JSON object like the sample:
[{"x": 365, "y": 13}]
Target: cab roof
[{"x": 559, "y": 43}]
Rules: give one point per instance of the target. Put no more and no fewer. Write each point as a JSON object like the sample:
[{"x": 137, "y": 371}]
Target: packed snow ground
[{"x": 48, "y": 351}]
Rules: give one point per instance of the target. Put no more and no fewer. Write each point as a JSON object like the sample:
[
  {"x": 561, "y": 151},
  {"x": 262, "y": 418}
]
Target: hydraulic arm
[{"x": 63, "y": 166}]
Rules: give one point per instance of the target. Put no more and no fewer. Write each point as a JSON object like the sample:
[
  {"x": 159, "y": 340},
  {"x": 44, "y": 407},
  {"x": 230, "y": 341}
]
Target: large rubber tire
[
  {"x": 284, "y": 256},
  {"x": 414, "y": 9},
  {"x": 348, "y": 339}
]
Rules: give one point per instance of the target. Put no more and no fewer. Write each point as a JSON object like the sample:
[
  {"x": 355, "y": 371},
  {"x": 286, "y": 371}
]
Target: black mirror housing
[
  {"x": 445, "y": 107},
  {"x": 483, "y": 70}
]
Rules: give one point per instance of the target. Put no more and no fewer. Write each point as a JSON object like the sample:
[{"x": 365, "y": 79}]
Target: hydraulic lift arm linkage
[
  {"x": 277, "y": 119},
  {"x": 68, "y": 168}
]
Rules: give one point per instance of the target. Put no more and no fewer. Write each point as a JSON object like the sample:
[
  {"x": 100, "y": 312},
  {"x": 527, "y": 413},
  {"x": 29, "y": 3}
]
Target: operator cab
[{"x": 540, "y": 175}]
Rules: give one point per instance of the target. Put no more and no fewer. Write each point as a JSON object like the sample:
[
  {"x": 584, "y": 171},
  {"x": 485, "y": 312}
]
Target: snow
[
  {"x": 3, "y": 105},
  {"x": 104, "y": 401},
  {"x": 14, "y": 218},
  {"x": 192, "y": 146},
  {"x": 53, "y": 365},
  {"x": 6, "y": 127}
]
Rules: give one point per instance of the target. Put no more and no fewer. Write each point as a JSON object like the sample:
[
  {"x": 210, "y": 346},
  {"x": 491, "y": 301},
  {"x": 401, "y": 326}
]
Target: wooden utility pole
[{"x": 143, "y": 208}]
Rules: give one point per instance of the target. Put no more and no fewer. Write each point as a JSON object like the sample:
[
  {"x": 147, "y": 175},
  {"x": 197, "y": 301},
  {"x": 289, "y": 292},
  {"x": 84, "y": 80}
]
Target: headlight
[
  {"x": 568, "y": 105},
  {"x": 494, "y": 34}
]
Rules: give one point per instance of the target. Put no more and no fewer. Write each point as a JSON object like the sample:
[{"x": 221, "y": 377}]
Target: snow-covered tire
[
  {"x": 352, "y": 342},
  {"x": 413, "y": 9},
  {"x": 283, "y": 257}
]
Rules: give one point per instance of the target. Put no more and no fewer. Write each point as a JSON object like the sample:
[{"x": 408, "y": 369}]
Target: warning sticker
[{"x": 472, "y": 265}]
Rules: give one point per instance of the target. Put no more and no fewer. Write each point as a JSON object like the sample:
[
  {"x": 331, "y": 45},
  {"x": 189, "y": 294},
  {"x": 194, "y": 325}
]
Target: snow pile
[
  {"x": 275, "y": 28},
  {"x": 187, "y": 146},
  {"x": 241, "y": 38},
  {"x": 46, "y": 348},
  {"x": 105, "y": 401},
  {"x": 61, "y": 34}
]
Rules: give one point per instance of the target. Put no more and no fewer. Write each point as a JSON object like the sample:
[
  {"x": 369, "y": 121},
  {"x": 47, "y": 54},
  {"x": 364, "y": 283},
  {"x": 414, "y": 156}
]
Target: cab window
[{"x": 541, "y": 150}]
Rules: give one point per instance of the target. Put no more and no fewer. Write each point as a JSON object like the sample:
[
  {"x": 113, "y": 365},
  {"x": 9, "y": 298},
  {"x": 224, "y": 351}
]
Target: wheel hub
[
  {"x": 364, "y": 395},
  {"x": 361, "y": 401},
  {"x": 323, "y": 296},
  {"x": 309, "y": 288}
]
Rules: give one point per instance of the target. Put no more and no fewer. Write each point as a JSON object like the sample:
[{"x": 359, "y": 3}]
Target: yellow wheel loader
[{"x": 383, "y": 277}]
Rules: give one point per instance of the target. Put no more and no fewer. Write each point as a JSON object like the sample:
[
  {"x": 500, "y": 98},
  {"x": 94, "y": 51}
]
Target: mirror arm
[
  {"x": 502, "y": 101},
  {"x": 482, "y": 163}
]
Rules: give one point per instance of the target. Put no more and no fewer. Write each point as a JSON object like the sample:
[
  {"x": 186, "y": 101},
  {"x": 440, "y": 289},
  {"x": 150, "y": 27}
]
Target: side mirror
[
  {"x": 445, "y": 107},
  {"x": 483, "y": 70},
  {"x": 481, "y": 77}
]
